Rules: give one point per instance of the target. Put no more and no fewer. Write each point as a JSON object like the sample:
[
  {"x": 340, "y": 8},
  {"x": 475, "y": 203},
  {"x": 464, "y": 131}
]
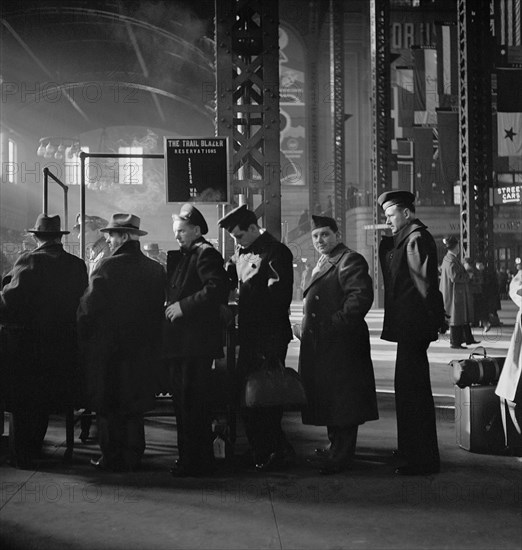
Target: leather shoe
[
  {"x": 473, "y": 342},
  {"x": 420, "y": 470},
  {"x": 101, "y": 465},
  {"x": 453, "y": 346},
  {"x": 322, "y": 451}
]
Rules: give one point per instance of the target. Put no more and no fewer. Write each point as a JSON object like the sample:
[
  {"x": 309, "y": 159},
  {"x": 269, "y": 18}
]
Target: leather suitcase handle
[{"x": 484, "y": 352}]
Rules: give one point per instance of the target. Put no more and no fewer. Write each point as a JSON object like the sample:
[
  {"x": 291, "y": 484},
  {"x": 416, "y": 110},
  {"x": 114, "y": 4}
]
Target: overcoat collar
[
  {"x": 333, "y": 259},
  {"x": 407, "y": 230},
  {"x": 128, "y": 247}
]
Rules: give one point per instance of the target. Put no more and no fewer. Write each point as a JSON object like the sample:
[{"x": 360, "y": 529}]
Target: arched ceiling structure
[{"x": 71, "y": 66}]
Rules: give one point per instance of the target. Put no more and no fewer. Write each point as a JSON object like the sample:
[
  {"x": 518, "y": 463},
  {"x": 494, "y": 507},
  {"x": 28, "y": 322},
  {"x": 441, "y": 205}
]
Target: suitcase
[
  {"x": 478, "y": 423},
  {"x": 478, "y": 369}
]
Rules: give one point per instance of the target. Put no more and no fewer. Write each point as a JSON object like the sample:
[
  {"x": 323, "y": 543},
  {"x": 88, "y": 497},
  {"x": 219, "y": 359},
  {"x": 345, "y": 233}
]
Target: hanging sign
[{"x": 197, "y": 170}]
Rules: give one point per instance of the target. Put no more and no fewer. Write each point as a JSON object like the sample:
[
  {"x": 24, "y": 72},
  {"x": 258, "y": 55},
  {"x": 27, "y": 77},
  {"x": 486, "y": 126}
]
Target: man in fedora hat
[
  {"x": 262, "y": 269},
  {"x": 152, "y": 251},
  {"x": 38, "y": 310},
  {"x": 413, "y": 315},
  {"x": 197, "y": 288},
  {"x": 334, "y": 359},
  {"x": 119, "y": 324}
]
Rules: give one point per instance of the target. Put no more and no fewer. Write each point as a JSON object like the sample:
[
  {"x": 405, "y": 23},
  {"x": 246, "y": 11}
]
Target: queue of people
[{"x": 139, "y": 328}]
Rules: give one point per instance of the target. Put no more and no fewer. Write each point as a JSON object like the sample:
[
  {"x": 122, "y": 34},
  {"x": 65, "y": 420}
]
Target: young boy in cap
[
  {"x": 413, "y": 315},
  {"x": 262, "y": 269}
]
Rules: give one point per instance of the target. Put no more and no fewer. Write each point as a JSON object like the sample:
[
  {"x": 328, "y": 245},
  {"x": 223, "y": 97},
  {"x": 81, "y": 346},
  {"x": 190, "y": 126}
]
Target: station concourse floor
[{"x": 475, "y": 502}]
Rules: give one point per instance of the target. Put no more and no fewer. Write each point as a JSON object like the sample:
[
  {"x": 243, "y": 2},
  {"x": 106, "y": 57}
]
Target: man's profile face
[
  {"x": 396, "y": 217},
  {"x": 244, "y": 238},
  {"x": 115, "y": 239},
  {"x": 185, "y": 233},
  {"x": 324, "y": 239}
]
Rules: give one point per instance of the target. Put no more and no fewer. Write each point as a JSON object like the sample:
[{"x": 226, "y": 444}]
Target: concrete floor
[{"x": 474, "y": 503}]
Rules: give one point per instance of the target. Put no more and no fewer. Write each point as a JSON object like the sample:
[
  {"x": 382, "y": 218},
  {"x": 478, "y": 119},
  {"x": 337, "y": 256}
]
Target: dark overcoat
[
  {"x": 456, "y": 290},
  {"x": 197, "y": 280},
  {"x": 334, "y": 359},
  {"x": 38, "y": 336},
  {"x": 413, "y": 306},
  {"x": 119, "y": 324},
  {"x": 264, "y": 274}
]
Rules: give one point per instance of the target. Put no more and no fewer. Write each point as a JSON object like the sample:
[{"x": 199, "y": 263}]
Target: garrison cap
[
  {"x": 241, "y": 214},
  {"x": 324, "y": 221},
  {"x": 189, "y": 213},
  {"x": 392, "y": 198}
]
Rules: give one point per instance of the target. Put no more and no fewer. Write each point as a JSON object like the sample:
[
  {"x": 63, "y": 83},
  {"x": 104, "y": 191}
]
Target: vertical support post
[
  {"x": 45, "y": 204},
  {"x": 475, "y": 128},
  {"x": 82, "y": 204},
  {"x": 381, "y": 173},
  {"x": 247, "y": 81},
  {"x": 338, "y": 110}
]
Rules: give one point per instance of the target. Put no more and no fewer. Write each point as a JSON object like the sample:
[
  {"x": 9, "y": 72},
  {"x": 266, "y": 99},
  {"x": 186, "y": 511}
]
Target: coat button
[
  {"x": 313, "y": 314},
  {"x": 317, "y": 297}
]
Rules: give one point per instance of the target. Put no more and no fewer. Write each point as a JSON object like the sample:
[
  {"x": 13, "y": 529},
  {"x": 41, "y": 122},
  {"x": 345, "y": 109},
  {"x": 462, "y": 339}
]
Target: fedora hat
[
  {"x": 47, "y": 224},
  {"x": 124, "y": 222},
  {"x": 95, "y": 221},
  {"x": 151, "y": 247}
]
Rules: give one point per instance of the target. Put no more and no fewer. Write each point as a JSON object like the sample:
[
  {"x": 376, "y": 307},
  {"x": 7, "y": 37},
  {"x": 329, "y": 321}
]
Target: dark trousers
[
  {"x": 264, "y": 432},
  {"x": 122, "y": 439},
  {"x": 461, "y": 334},
  {"x": 27, "y": 431},
  {"x": 343, "y": 440},
  {"x": 415, "y": 409},
  {"x": 190, "y": 380}
]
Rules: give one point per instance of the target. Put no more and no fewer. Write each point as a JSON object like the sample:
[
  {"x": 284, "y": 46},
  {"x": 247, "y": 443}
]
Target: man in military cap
[
  {"x": 38, "y": 310},
  {"x": 197, "y": 288},
  {"x": 119, "y": 324},
  {"x": 262, "y": 269},
  {"x": 413, "y": 315},
  {"x": 334, "y": 359}
]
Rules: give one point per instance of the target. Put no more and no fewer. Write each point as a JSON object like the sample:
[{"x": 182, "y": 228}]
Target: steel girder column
[
  {"x": 338, "y": 110},
  {"x": 247, "y": 74},
  {"x": 475, "y": 126},
  {"x": 381, "y": 168}
]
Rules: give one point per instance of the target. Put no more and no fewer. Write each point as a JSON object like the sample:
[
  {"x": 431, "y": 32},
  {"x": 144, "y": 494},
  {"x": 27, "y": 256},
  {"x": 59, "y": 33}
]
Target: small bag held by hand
[{"x": 274, "y": 385}]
